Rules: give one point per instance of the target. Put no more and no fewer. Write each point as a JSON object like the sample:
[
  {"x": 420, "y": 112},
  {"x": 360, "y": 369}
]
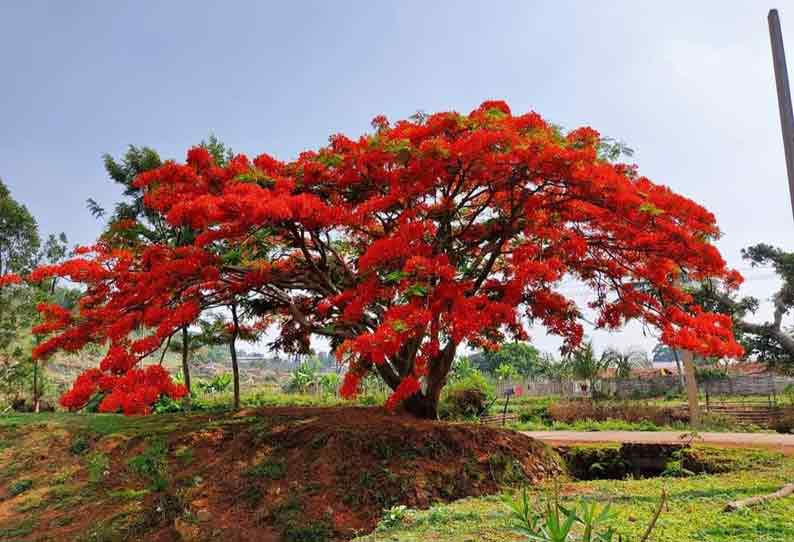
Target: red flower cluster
[
  {"x": 133, "y": 393},
  {"x": 10, "y": 278},
  {"x": 139, "y": 389},
  {"x": 399, "y": 246},
  {"x": 408, "y": 386}
]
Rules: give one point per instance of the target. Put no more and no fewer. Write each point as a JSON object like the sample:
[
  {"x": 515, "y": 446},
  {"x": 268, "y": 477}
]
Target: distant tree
[
  {"x": 219, "y": 329},
  {"x": 585, "y": 365},
  {"x": 20, "y": 250},
  {"x": 523, "y": 357},
  {"x": 624, "y": 361},
  {"x": 19, "y": 244},
  {"x": 768, "y": 341},
  {"x": 462, "y": 368},
  {"x": 553, "y": 368},
  {"x": 662, "y": 353},
  {"x": 150, "y": 227},
  {"x": 19, "y": 235},
  {"x": 505, "y": 371}
]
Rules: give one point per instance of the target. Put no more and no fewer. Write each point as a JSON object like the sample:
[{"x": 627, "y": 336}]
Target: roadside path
[{"x": 770, "y": 441}]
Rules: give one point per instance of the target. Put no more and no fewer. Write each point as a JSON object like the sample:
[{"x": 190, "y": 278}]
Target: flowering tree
[{"x": 399, "y": 247}]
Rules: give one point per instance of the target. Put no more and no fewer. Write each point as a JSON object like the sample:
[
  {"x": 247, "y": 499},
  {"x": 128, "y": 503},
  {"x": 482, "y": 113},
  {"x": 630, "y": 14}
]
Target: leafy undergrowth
[
  {"x": 619, "y": 461},
  {"x": 275, "y": 474},
  {"x": 693, "y": 512}
]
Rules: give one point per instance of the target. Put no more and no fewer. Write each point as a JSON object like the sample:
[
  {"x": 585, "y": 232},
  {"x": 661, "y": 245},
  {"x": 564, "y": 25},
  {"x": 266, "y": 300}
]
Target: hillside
[{"x": 277, "y": 474}]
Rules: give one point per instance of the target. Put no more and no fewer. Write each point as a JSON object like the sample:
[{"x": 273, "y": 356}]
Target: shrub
[
  {"x": 467, "y": 398},
  {"x": 785, "y": 423},
  {"x": 219, "y": 384},
  {"x": 573, "y": 411},
  {"x": 165, "y": 404},
  {"x": 711, "y": 460},
  {"x": 17, "y": 488},
  {"x": 593, "y": 462}
]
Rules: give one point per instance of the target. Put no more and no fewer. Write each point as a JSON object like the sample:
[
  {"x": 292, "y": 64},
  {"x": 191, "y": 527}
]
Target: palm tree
[
  {"x": 585, "y": 365},
  {"x": 625, "y": 360}
]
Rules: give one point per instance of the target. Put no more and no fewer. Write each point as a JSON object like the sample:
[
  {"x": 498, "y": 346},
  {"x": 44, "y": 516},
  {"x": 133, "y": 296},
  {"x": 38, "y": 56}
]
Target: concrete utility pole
[{"x": 783, "y": 97}]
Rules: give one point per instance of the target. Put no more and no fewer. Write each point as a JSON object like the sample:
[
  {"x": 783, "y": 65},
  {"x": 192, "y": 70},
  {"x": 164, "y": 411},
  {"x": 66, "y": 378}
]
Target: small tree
[
  {"x": 624, "y": 361},
  {"x": 585, "y": 365},
  {"x": 522, "y": 356}
]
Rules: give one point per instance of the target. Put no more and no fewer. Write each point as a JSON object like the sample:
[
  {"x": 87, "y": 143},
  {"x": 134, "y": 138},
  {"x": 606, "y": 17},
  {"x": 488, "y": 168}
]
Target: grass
[
  {"x": 533, "y": 416},
  {"x": 274, "y": 470},
  {"x": 695, "y": 511}
]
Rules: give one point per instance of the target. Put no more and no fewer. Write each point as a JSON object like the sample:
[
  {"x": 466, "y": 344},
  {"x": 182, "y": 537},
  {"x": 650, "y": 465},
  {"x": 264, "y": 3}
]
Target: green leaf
[
  {"x": 394, "y": 276},
  {"x": 651, "y": 209},
  {"x": 416, "y": 290}
]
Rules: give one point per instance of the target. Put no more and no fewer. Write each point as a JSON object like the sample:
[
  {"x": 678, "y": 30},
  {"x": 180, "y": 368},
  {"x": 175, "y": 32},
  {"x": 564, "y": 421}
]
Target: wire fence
[{"x": 767, "y": 385}]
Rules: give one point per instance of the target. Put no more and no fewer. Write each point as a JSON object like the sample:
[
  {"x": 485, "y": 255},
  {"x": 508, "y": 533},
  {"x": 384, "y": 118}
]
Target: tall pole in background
[{"x": 783, "y": 97}]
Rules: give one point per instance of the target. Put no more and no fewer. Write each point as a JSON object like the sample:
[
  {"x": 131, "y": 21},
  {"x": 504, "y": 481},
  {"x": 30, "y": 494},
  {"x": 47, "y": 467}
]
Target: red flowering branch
[{"x": 403, "y": 244}]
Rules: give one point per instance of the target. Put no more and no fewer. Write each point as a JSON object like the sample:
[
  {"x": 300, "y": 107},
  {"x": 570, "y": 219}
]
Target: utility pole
[{"x": 783, "y": 97}]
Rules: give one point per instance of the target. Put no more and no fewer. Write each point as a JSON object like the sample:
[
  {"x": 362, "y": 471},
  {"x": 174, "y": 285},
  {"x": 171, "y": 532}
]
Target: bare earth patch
[{"x": 275, "y": 474}]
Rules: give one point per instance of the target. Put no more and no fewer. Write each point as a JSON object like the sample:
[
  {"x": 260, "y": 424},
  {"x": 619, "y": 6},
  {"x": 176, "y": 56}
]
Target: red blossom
[{"x": 399, "y": 246}]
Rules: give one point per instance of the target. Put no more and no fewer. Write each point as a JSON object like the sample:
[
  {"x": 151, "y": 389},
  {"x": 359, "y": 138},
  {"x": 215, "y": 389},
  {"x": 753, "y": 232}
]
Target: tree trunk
[
  {"x": 185, "y": 367},
  {"x": 680, "y": 372},
  {"x": 233, "y": 351},
  {"x": 425, "y": 404},
  {"x": 421, "y": 406},
  {"x": 35, "y": 386},
  {"x": 692, "y": 389}
]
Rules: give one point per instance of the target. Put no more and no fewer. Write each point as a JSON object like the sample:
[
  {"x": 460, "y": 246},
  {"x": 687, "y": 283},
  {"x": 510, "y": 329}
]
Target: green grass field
[{"x": 694, "y": 511}]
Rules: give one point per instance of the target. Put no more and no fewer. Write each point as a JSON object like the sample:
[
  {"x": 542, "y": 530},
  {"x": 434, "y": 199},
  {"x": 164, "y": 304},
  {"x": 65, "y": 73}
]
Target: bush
[
  {"x": 785, "y": 423},
  {"x": 219, "y": 384},
  {"x": 467, "y": 398},
  {"x": 573, "y": 411}
]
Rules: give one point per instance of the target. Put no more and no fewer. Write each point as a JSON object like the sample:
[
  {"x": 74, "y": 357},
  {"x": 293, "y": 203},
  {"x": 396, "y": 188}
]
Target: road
[{"x": 770, "y": 441}]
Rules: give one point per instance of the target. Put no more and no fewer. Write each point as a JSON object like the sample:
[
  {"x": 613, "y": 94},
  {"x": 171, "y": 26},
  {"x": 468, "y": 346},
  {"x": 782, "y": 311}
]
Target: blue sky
[{"x": 688, "y": 85}]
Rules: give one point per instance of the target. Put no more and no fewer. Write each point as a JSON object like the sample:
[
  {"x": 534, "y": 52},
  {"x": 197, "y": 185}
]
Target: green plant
[
  {"x": 585, "y": 365},
  {"x": 556, "y": 523},
  {"x": 304, "y": 377},
  {"x": 585, "y": 522},
  {"x": 462, "y": 368},
  {"x": 219, "y": 384},
  {"x": 98, "y": 464},
  {"x": 505, "y": 372},
  {"x": 467, "y": 397},
  {"x": 675, "y": 466},
  {"x": 785, "y": 422},
  {"x": 19, "y": 487},
  {"x": 393, "y": 517},
  {"x": 166, "y": 404},
  {"x": 275, "y": 470},
  {"x": 79, "y": 445},
  {"x": 788, "y": 393},
  {"x": 319, "y": 531},
  {"x": 329, "y": 383},
  {"x": 151, "y": 464}
]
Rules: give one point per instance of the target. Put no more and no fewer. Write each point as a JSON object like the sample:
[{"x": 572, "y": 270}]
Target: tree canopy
[
  {"x": 768, "y": 341},
  {"x": 523, "y": 357},
  {"x": 398, "y": 247}
]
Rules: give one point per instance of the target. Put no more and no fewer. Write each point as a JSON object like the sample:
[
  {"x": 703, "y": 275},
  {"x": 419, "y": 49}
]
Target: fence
[
  {"x": 542, "y": 387},
  {"x": 768, "y": 385}
]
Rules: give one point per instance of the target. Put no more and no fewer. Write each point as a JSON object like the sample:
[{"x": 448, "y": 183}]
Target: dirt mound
[{"x": 276, "y": 474}]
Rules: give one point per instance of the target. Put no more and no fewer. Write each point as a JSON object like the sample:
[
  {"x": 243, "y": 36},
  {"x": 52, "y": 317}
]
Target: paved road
[{"x": 772, "y": 441}]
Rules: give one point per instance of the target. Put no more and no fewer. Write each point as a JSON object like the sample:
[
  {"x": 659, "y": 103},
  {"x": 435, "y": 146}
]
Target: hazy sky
[{"x": 688, "y": 85}]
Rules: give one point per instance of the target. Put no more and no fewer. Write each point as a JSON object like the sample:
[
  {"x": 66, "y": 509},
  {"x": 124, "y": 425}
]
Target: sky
[{"x": 688, "y": 85}]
